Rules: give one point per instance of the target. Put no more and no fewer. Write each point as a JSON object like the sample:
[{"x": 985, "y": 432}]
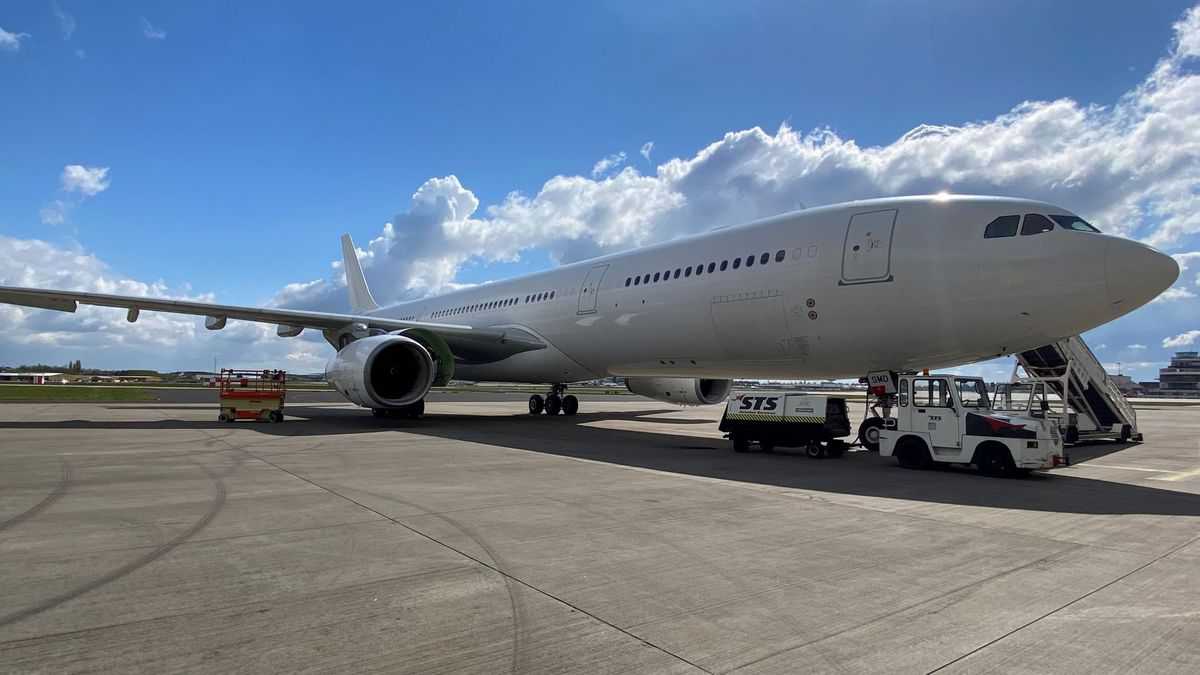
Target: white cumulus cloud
[
  {"x": 647, "y": 148},
  {"x": 11, "y": 42},
  {"x": 88, "y": 181},
  {"x": 1181, "y": 340}
]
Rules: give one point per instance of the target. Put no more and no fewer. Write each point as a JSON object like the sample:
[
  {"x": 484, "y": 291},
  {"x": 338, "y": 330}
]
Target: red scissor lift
[{"x": 252, "y": 395}]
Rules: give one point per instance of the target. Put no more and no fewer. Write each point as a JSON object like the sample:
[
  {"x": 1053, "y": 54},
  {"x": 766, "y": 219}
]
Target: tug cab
[{"x": 949, "y": 419}]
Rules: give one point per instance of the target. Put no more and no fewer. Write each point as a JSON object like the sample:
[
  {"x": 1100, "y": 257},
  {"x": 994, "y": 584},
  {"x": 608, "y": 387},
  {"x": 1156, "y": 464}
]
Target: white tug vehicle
[{"x": 949, "y": 419}]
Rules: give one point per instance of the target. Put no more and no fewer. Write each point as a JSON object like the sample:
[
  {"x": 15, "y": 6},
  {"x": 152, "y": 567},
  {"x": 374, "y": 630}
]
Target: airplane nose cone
[{"x": 1135, "y": 274}]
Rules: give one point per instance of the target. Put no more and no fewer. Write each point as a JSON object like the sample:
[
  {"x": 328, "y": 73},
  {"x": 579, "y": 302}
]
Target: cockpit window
[
  {"x": 1036, "y": 223},
  {"x": 1073, "y": 223},
  {"x": 1004, "y": 226}
]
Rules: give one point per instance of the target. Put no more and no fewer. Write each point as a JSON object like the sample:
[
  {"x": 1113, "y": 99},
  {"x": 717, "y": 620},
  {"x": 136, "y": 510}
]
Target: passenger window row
[
  {"x": 1034, "y": 223},
  {"x": 702, "y": 268},
  {"x": 491, "y": 304}
]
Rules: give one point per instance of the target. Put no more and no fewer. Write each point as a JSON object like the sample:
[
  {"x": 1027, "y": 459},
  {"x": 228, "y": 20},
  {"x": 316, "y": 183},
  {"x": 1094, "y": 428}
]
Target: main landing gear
[{"x": 554, "y": 402}]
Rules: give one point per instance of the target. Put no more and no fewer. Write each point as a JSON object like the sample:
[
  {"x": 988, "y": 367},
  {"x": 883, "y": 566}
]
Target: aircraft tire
[
  {"x": 553, "y": 404},
  {"x": 570, "y": 404},
  {"x": 536, "y": 405}
]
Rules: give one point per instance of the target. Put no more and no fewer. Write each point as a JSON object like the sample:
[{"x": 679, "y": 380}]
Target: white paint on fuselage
[{"x": 950, "y": 297}]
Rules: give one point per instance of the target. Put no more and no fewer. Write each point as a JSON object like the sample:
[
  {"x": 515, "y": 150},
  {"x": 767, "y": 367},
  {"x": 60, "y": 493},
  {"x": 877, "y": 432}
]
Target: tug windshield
[{"x": 973, "y": 393}]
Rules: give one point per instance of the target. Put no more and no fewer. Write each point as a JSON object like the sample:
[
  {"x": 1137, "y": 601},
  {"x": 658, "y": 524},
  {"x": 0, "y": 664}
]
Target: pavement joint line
[
  {"x": 1056, "y": 610},
  {"x": 482, "y": 563},
  {"x": 914, "y": 605}
]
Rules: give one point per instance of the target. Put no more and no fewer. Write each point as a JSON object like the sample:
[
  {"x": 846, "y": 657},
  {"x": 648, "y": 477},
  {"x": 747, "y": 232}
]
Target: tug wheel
[{"x": 868, "y": 433}]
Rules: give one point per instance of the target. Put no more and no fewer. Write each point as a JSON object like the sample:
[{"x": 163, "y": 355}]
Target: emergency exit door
[
  {"x": 591, "y": 289},
  {"x": 867, "y": 256}
]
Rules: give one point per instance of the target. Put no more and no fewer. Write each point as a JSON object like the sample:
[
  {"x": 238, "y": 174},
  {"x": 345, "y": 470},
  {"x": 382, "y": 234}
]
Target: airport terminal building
[{"x": 1182, "y": 377}]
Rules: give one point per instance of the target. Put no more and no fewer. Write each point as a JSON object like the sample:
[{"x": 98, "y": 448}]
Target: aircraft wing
[{"x": 472, "y": 343}]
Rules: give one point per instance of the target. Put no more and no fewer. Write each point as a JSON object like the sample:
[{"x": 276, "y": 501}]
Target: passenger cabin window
[
  {"x": 737, "y": 262},
  {"x": 749, "y": 261},
  {"x": 764, "y": 259},
  {"x": 656, "y": 277},
  {"x": 677, "y": 271},
  {"x": 931, "y": 393},
  {"x": 779, "y": 255},
  {"x": 1036, "y": 223},
  {"x": 724, "y": 265},
  {"x": 711, "y": 267},
  {"x": 1074, "y": 223},
  {"x": 1004, "y": 226}
]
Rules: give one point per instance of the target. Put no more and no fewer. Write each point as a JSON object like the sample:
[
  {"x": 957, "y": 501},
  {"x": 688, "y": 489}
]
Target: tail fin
[{"x": 360, "y": 296}]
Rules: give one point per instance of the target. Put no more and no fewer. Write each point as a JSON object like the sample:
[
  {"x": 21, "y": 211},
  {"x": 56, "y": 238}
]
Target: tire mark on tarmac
[
  {"x": 64, "y": 482},
  {"x": 214, "y": 507},
  {"x": 515, "y": 606}
]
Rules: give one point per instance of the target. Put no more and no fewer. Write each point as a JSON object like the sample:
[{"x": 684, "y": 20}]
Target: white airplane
[{"x": 839, "y": 291}]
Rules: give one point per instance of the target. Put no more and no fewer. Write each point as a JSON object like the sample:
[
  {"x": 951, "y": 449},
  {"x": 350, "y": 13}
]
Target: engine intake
[
  {"x": 680, "y": 390},
  {"x": 383, "y": 371}
]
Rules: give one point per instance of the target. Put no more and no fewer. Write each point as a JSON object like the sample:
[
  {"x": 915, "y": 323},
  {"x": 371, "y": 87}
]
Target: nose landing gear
[{"x": 554, "y": 402}]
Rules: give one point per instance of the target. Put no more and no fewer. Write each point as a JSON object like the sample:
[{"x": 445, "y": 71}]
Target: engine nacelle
[
  {"x": 680, "y": 390},
  {"x": 382, "y": 371}
]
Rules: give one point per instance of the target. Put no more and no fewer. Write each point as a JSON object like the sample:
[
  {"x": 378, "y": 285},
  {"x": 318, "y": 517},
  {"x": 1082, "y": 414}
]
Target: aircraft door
[
  {"x": 867, "y": 256},
  {"x": 591, "y": 289}
]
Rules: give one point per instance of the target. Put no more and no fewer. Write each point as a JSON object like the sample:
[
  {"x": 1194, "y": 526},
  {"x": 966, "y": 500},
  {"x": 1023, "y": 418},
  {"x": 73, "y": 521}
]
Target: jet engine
[
  {"x": 680, "y": 390},
  {"x": 383, "y": 371}
]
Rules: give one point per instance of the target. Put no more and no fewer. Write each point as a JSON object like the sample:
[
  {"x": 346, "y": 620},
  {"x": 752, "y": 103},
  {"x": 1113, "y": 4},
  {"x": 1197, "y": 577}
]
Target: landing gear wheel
[
  {"x": 553, "y": 404},
  {"x": 814, "y": 450},
  {"x": 536, "y": 405},
  {"x": 570, "y": 404},
  {"x": 766, "y": 446},
  {"x": 1126, "y": 433},
  {"x": 740, "y": 442},
  {"x": 868, "y": 433}
]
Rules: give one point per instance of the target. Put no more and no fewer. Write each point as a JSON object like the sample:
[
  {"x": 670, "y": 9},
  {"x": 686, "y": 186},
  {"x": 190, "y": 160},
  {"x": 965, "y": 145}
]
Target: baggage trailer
[
  {"x": 815, "y": 422},
  {"x": 251, "y": 395}
]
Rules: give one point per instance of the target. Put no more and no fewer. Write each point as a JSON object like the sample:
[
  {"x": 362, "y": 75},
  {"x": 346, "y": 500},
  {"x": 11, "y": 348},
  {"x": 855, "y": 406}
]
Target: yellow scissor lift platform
[{"x": 252, "y": 395}]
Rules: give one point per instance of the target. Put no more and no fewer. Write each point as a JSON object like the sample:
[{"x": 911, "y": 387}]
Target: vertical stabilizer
[{"x": 360, "y": 296}]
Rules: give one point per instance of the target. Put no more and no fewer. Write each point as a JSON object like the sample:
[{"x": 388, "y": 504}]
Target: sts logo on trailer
[{"x": 757, "y": 403}]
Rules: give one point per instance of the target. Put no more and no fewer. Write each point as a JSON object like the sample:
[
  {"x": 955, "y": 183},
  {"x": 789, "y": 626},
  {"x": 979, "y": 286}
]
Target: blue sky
[{"x": 242, "y": 138}]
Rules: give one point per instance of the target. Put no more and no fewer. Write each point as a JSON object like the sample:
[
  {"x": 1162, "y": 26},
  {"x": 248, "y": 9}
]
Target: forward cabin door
[
  {"x": 591, "y": 289},
  {"x": 867, "y": 256}
]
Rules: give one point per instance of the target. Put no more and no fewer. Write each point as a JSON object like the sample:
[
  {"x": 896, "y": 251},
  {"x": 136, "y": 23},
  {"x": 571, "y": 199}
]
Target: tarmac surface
[{"x": 630, "y": 538}]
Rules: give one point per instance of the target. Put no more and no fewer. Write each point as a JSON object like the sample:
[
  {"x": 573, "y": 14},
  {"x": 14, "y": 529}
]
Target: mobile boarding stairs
[{"x": 1091, "y": 406}]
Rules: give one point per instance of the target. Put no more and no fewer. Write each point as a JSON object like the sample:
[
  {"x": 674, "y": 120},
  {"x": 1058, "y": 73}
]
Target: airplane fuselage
[{"x": 829, "y": 292}]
